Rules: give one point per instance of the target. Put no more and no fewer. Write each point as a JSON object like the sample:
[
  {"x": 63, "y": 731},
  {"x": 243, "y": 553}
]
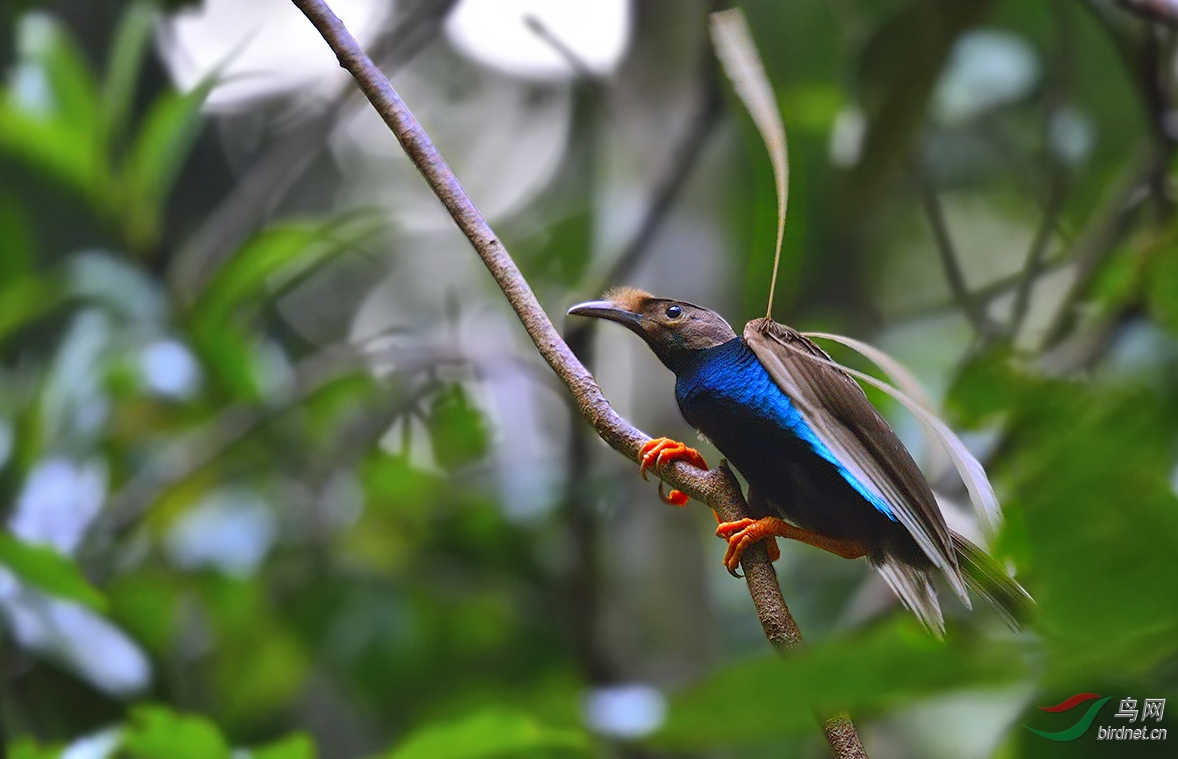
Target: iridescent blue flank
[{"x": 728, "y": 380}]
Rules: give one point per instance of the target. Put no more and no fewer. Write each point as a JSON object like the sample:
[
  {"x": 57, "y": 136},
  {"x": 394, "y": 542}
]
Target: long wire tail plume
[
  {"x": 973, "y": 475},
  {"x": 738, "y": 54}
]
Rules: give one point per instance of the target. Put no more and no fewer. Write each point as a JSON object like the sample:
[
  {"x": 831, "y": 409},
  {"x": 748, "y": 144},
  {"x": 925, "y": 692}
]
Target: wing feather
[
  {"x": 909, "y": 393},
  {"x": 845, "y": 421}
]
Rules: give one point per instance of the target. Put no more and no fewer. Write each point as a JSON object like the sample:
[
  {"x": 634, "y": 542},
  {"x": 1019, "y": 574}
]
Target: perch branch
[{"x": 717, "y": 488}]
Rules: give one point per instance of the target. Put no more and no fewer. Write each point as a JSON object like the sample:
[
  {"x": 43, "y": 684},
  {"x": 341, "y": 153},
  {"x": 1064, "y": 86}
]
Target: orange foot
[
  {"x": 744, "y": 532},
  {"x": 662, "y": 451}
]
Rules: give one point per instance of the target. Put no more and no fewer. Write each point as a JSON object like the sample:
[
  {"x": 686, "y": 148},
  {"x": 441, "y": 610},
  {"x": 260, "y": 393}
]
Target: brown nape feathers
[{"x": 630, "y": 298}]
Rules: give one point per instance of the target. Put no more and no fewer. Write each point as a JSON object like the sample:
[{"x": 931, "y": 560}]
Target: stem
[{"x": 717, "y": 488}]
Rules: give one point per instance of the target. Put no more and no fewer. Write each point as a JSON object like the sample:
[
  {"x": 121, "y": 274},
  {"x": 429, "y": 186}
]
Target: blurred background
[{"x": 281, "y": 475}]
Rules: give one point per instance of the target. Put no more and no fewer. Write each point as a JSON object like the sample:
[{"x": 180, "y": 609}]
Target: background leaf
[
  {"x": 164, "y": 142},
  {"x": 292, "y": 747},
  {"x": 47, "y": 570},
  {"x": 865, "y": 673},
  {"x": 457, "y": 429},
  {"x": 490, "y": 733},
  {"x": 128, "y": 47},
  {"x": 156, "y": 732},
  {"x": 58, "y": 127}
]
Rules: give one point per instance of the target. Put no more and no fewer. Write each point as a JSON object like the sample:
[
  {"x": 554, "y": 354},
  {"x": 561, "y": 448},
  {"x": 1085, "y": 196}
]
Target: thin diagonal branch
[
  {"x": 1148, "y": 64},
  {"x": 1163, "y": 11},
  {"x": 953, "y": 274},
  {"x": 717, "y": 488},
  {"x": 1056, "y": 172},
  {"x": 541, "y": 30}
]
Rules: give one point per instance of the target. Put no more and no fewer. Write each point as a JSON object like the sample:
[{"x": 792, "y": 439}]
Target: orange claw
[
  {"x": 744, "y": 532},
  {"x": 661, "y": 451},
  {"x": 675, "y": 497}
]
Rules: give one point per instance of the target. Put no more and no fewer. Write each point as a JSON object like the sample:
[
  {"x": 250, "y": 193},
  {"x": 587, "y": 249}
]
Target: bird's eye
[{"x": 674, "y": 312}]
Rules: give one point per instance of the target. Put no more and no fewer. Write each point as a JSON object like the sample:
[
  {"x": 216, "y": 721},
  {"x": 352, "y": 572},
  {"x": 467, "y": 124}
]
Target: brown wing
[{"x": 843, "y": 419}]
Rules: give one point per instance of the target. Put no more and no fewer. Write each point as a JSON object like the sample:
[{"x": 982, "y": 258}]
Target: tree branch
[
  {"x": 717, "y": 488},
  {"x": 953, "y": 274}
]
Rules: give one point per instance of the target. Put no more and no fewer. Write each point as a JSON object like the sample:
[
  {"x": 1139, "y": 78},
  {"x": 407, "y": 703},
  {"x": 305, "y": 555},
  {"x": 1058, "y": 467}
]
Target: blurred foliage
[
  {"x": 490, "y": 734},
  {"x": 290, "y": 546},
  {"x": 865, "y": 673},
  {"x": 47, "y": 570}
]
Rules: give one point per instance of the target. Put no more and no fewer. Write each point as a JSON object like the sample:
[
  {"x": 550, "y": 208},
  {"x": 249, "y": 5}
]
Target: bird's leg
[
  {"x": 744, "y": 532},
  {"x": 662, "y": 451}
]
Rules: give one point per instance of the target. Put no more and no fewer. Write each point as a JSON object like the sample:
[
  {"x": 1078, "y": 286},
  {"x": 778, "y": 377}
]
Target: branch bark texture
[{"x": 717, "y": 488}]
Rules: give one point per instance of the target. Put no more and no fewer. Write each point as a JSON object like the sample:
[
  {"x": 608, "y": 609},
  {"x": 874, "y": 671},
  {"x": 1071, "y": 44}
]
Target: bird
[{"x": 823, "y": 467}]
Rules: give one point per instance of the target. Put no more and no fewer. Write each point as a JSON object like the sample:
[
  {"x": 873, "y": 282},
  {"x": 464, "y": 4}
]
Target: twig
[
  {"x": 985, "y": 294},
  {"x": 1035, "y": 258},
  {"x": 1056, "y": 171},
  {"x": 541, "y": 30},
  {"x": 1150, "y": 63},
  {"x": 1164, "y": 11},
  {"x": 1099, "y": 242},
  {"x": 953, "y": 273},
  {"x": 717, "y": 488}
]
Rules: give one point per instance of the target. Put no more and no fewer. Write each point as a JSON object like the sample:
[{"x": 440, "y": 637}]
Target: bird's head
[{"x": 674, "y": 329}]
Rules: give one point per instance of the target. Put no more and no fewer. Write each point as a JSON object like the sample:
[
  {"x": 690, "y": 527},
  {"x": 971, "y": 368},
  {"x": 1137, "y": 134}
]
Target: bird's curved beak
[{"x": 604, "y": 309}]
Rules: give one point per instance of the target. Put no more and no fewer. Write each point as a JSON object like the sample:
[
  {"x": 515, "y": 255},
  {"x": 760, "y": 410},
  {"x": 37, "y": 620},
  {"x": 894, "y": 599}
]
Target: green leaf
[
  {"x": 146, "y": 605},
  {"x": 1101, "y": 520},
  {"x": 866, "y": 672},
  {"x": 273, "y": 258},
  {"x": 1162, "y": 286},
  {"x": 42, "y": 41},
  {"x": 260, "y": 257},
  {"x": 55, "y": 147},
  {"x": 297, "y": 746},
  {"x": 986, "y": 387},
  {"x": 393, "y": 483},
  {"x": 489, "y": 733},
  {"x": 16, "y": 238},
  {"x": 25, "y": 299},
  {"x": 262, "y": 675},
  {"x": 266, "y": 666},
  {"x": 156, "y": 732},
  {"x": 813, "y": 106},
  {"x": 27, "y": 748},
  {"x": 154, "y": 161},
  {"x": 230, "y": 355},
  {"x": 47, "y": 570},
  {"x": 63, "y": 135},
  {"x": 122, "y": 72},
  {"x": 283, "y": 252},
  {"x": 458, "y": 431}
]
